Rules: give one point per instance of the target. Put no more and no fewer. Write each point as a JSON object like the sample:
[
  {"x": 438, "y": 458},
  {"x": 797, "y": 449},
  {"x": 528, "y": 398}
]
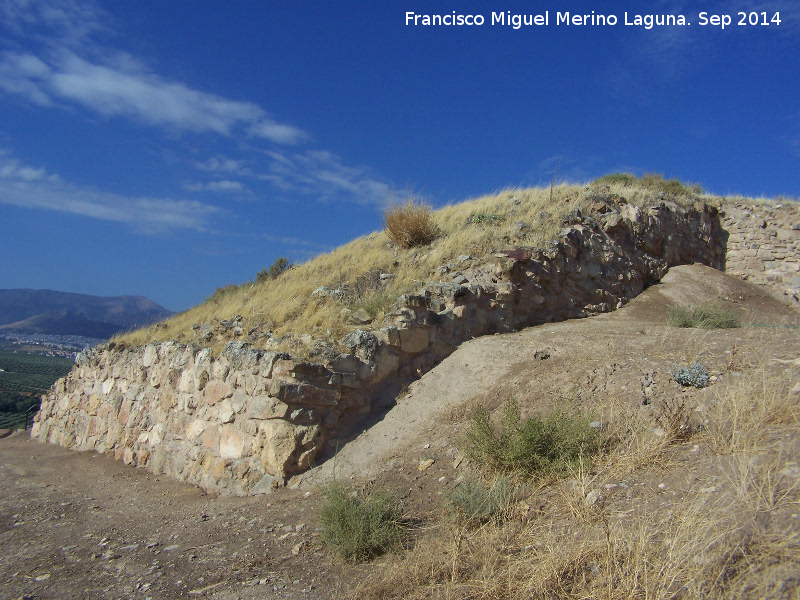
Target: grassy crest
[{"x": 281, "y": 299}]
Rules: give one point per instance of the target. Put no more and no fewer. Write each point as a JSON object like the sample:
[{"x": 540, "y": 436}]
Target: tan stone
[
  {"x": 413, "y": 340},
  {"x": 216, "y": 470},
  {"x": 166, "y": 399},
  {"x": 196, "y": 429},
  {"x": 150, "y": 356},
  {"x": 231, "y": 442},
  {"x": 225, "y": 411},
  {"x": 266, "y": 407},
  {"x": 108, "y": 385},
  {"x": 186, "y": 382},
  {"x": 280, "y": 442},
  {"x": 210, "y": 438},
  {"x": 216, "y": 391}
]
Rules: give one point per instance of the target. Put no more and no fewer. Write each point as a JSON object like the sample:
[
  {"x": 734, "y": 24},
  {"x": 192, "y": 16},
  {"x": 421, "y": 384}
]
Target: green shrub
[
  {"x": 536, "y": 445},
  {"x": 410, "y": 225},
  {"x": 359, "y": 527},
  {"x": 472, "y": 502},
  {"x": 693, "y": 376},
  {"x": 706, "y": 316},
  {"x": 485, "y": 219},
  {"x": 280, "y": 265},
  {"x": 652, "y": 181},
  {"x": 221, "y": 292},
  {"x": 617, "y": 179},
  {"x": 374, "y": 303}
]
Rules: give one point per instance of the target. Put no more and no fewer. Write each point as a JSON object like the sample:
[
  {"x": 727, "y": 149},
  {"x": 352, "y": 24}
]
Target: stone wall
[
  {"x": 764, "y": 246},
  {"x": 242, "y": 422}
]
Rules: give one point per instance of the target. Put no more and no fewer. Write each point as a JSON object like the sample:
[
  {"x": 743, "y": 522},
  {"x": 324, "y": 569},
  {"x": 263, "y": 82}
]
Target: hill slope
[
  {"x": 370, "y": 272},
  {"x": 707, "y": 516}
]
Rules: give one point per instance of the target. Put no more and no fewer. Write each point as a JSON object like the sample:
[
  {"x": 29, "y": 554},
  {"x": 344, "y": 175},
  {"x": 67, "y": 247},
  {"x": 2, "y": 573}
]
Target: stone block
[
  {"x": 413, "y": 340},
  {"x": 217, "y": 390},
  {"x": 231, "y": 442},
  {"x": 150, "y": 356},
  {"x": 195, "y": 429},
  {"x": 210, "y": 438},
  {"x": 266, "y": 407}
]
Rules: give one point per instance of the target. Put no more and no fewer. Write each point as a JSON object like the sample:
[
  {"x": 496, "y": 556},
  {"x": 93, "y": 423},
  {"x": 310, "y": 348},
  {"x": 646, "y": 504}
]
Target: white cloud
[
  {"x": 67, "y": 20},
  {"x": 127, "y": 89},
  {"x": 67, "y": 67},
  {"x": 29, "y": 187},
  {"x": 220, "y": 164},
  {"x": 322, "y": 174},
  {"x": 216, "y": 186}
]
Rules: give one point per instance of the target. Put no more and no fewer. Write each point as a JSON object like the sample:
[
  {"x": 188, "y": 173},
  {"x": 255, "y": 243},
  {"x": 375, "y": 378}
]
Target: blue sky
[{"x": 165, "y": 149}]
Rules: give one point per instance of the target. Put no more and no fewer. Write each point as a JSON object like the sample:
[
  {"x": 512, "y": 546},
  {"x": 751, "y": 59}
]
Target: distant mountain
[{"x": 64, "y": 313}]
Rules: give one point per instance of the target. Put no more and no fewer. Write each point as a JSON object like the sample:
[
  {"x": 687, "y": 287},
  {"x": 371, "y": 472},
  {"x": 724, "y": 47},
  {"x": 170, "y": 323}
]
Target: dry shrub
[
  {"x": 411, "y": 224},
  {"x": 705, "y": 316},
  {"x": 359, "y": 527},
  {"x": 674, "y": 417},
  {"x": 535, "y": 445}
]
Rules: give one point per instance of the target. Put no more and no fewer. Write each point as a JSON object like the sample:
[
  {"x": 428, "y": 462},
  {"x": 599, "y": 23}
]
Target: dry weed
[
  {"x": 747, "y": 410},
  {"x": 410, "y": 225}
]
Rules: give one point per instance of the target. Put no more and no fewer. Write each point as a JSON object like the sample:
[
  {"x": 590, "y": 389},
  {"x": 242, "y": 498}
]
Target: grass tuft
[
  {"x": 654, "y": 182},
  {"x": 411, "y": 224},
  {"x": 705, "y": 316},
  {"x": 359, "y": 527},
  {"x": 553, "y": 444},
  {"x": 472, "y": 502}
]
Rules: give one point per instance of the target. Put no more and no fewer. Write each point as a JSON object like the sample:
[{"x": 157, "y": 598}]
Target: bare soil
[{"x": 80, "y": 525}]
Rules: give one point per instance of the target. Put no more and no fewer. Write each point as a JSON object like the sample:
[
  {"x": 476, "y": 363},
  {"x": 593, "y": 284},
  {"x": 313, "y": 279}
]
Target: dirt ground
[{"x": 80, "y": 525}]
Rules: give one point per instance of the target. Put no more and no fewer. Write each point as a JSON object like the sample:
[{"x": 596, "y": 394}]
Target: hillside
[
  {"x": 64, "y": 313},
  {"x": 371, "y": 272},
  {"x": 703, "y": 511},
  {"x": 589, "y": 391}
]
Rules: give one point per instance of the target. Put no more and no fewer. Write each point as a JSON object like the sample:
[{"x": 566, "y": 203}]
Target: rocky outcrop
[{"x": 242, "y": 422}]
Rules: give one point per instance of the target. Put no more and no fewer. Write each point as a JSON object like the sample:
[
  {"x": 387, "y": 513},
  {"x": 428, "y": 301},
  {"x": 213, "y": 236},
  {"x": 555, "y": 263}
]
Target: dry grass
[
  {"x": 741, "y": 541},
  {"x": 285, "y": 304},
  {"x": 410, "y": 225}
]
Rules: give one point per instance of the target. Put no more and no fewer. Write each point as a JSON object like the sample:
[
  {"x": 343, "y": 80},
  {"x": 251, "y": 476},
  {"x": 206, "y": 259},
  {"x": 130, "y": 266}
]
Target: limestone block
[
  {"x": 225, "y": 412},
  {"x": 302, "y": 393},
  {"x": 186, "y": 382},
  {"x": 166, "y": 399},
  {"x": 108, "y": 385},
  {"x": 217, "y": 390},
  {"x": 266, "y": 407},
  {"x": 156, "y": 434},
  {"x": 413, "y": 340},
  {"x": 196, "y": 428},
  {"x": 150, "y": 355},
  {"x": 210, "y": 438},
  {"x": 220, "y": 369},
  {"x": 280, "y": 442},
  {"x": 345, "y": 363},
  {"x": 231, "y": 442}
]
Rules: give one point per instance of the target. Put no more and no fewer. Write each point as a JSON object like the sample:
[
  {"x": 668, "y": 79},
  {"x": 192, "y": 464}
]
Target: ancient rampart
[{"x": 244, "y": 421}]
